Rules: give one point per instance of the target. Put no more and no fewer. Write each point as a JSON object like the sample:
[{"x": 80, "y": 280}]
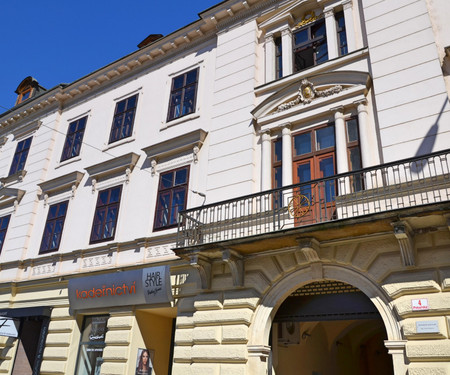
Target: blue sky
[{"x": 59, "y": 41}]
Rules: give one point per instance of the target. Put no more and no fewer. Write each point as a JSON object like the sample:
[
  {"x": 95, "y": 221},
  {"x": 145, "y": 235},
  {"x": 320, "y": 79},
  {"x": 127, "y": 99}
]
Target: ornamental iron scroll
[
  {"x": 307, "y": 92},
  {"x": 299, "y": 206}
]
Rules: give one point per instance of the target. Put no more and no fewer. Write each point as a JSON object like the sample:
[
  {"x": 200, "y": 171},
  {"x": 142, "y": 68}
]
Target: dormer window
[
  {"x": 27, "y": 89},
  {"x": 24, "y": 96}
]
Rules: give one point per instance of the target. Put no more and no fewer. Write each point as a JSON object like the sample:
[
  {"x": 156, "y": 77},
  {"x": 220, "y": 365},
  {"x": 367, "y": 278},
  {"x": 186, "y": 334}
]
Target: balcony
[{"x": 403, "y": 184}]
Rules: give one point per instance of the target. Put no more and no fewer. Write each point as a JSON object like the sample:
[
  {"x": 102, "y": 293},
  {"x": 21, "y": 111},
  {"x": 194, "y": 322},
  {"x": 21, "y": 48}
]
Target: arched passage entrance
[
  {"x": 364, "y": 334},
  {"x": 328, "y": 327}
]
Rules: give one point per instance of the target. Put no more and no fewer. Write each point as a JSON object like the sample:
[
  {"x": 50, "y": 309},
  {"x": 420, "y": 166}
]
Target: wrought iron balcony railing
[{"x": 406, "y": 183}]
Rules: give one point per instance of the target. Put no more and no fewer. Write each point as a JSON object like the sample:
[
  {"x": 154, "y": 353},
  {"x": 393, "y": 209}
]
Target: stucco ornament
[{"x": 307, "y": 92}]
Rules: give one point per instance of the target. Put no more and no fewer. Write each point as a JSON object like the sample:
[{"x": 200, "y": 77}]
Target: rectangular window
[
  {"x": 122, "y": 126},
  {"x": 277, "y": 164},
  {"x": 92, "y": 343},
  {"x": 310, "y": 46},
  {"x": 106, "y": 214},
  {"x": 172, "y": 195},
  {"x": 4, "y": 222},
  {"x": 20, "y": 156},
  {"x": 354, "y": 153},
  {"x": 341, "y": 33},
  {"x": 278, "y": 58},
  {"x": 314, "y": 158},
  {"x": 74, "y": 138},
  {"x": 54, "y": 227},
  {"x": 183, "y": 94}
]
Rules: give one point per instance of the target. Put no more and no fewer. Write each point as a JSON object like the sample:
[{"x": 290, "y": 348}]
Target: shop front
[{"x": 126, "y": 322}]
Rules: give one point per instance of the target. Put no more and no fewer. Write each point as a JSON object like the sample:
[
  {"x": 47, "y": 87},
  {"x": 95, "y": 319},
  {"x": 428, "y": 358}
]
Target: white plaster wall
[
  {"x": 232, "y": 140},
  {"x": 411, "y": 98},
  {"x": 137, "y": 207}
]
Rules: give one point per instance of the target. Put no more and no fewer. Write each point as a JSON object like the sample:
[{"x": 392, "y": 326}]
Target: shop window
[
  {"x": 54, "y": 227},
  {"x": 183, "y": 94},
  {"x": 354, "y": 153},
  {"x": 278, "y": 58},
  {"x": 122, "y": 126},
  {"x": 92, "y": 343},
  {"x": 172, "y": 196},
  {"x": 106, "y": 214},
  {"x": 4, "y": 222},
  {"x": 341, "y": 33},
  {"x": 74, "y": 139},
  {"x": 310, "y": 46},
  {"x": 20, "y": 156}
]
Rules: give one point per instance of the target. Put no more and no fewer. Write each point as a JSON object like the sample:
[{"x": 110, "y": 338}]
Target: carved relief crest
[{"x": 307, "y": 92}]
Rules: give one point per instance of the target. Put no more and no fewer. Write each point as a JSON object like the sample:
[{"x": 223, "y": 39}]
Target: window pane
[
  {"x": 304, "y": 175},
  {"x": 166, "y": 180},
  {"x": 277, "y": 151},
  {"x": 177, "y": 204},
  {"x": 131, "y": 102},
  {"x": 277, "y": 177},
  {"x": 301, "y": 36},
  {"x": 191, "y": 76},
  {"x": 178, "y": 82},
  {"x": 326, "y": 167},
  {"x": 352, "y": 130},
  {"x": 115, "y": 194},
  {"x": 120, "y": 107},
  {"x": 103, "y": 197},
  {"x": 188, "y": 102},
  {"x": 181, "y": 176},
  {"x": 321, "y": 52},
  {"x": 304, "y": 58},
  {"x": 325, "y": 138},
  {"x": 302, "y": 144},
  {"x": 318, "y": 30}
]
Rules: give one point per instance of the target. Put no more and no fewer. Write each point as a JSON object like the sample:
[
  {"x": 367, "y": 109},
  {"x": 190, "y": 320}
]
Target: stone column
[
  {"x": 270, "y": 57},
  {"x": 266, "y": 161},
  {"x": 349, "y": 26},
  {"x": 286, "y": 50},
  {"x": 287, "y": 155},
  {"x": 332, "y": 41},
  {"x": 364, "y": 141},
  {"x": 341, "y": 140},
  {"x": 343, "y": 184}
]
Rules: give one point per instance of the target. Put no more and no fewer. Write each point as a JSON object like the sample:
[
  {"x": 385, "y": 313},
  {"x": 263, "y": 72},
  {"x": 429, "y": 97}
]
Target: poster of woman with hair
[{"x": 143, "y": 362}]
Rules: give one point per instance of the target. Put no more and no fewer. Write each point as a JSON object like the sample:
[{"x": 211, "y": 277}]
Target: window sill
[
  {"x": 68, "y": 161},
  {"x": 119, "y": 143},
  {"x": 180, "y": 120}
]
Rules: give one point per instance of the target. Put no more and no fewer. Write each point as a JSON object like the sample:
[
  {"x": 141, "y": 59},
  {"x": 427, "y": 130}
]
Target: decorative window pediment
[
  {"x": 175, "y": 146},
  {"x": 64, "y": 183},
  {"x": 321, "y": 90},
  {"x": 122, "y": 164},
  {"x": 10, "y": 196}
]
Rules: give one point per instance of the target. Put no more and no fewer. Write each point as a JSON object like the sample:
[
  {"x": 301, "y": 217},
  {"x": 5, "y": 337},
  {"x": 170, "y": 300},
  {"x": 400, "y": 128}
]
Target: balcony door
[{"x": 314, "y": 158}]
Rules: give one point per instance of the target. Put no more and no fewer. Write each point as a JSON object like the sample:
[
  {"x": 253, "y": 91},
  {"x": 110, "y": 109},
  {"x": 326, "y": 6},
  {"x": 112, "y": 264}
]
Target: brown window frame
[
  {"x": 4, "y": 229},
  {"x": 182, "y": 90},
  {"x": 51, "y": 224},
  {"x": 117, "y": 129},
  {"x": 159, "y": 210},
  {"x": 105, "y": 207}
]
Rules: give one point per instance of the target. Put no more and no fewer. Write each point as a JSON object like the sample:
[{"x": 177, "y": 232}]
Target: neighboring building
[{"x": 264, "y": 191}]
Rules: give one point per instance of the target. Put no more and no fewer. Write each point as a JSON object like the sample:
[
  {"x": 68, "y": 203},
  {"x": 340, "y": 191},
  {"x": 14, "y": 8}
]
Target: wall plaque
[{"x": 427, "y": 326}]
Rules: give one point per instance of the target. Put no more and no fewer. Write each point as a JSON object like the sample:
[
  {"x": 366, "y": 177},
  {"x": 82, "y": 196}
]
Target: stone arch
[{"x": 278, "y": 292}]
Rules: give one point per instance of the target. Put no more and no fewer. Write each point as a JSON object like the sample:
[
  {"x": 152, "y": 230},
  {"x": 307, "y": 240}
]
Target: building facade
[{"x": 263, "y": 191}]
